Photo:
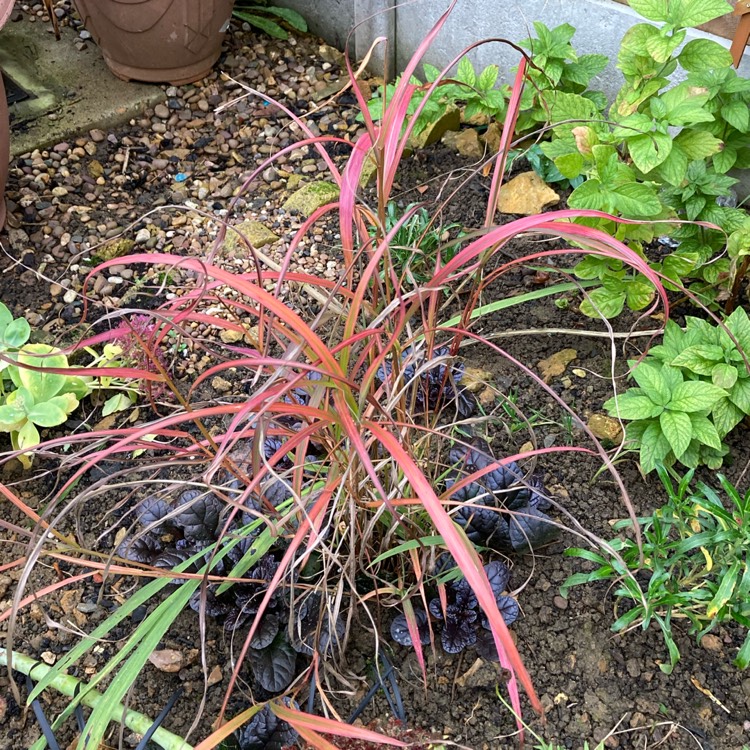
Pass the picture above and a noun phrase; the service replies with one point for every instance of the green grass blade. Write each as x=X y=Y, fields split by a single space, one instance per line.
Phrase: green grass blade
x=503 y=304
x=425 y=541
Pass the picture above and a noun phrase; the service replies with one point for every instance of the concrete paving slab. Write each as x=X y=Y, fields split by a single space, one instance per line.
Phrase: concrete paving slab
x=73 y=90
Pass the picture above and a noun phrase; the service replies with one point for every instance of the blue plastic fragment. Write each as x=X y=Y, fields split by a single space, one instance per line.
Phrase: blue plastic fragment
x=180 y=177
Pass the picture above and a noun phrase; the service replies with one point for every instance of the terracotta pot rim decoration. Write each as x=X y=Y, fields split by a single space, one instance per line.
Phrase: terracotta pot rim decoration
x=158 y=41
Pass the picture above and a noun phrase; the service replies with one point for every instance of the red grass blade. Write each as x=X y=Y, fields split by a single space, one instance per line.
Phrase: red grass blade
x=304 y=721
x=469 y=563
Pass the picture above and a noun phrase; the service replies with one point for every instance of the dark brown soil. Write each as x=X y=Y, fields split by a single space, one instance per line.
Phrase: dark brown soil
x=593 y=685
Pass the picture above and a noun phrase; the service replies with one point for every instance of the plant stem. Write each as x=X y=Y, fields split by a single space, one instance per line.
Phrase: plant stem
x=67 y=685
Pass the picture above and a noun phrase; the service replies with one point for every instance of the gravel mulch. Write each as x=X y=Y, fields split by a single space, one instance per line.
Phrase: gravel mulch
x=163 y=182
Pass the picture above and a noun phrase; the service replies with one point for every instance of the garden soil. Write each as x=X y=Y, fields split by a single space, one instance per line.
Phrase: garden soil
x=594 y=686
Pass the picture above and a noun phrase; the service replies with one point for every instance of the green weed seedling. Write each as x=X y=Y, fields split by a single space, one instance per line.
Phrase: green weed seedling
x=41 y=399
x=695 y=557
x=267 y=17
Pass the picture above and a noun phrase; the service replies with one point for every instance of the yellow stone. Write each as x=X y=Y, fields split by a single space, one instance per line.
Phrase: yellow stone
x=526 y=194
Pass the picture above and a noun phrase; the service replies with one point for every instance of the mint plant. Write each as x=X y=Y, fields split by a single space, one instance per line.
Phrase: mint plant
x=693 y=390
x=675 y=142
x=669 y=417
x=556 y=67
x=708 y=353
x=476 y=92
x=694 y=555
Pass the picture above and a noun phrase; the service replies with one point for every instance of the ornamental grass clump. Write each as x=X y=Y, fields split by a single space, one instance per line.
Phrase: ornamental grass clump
x=327 y=490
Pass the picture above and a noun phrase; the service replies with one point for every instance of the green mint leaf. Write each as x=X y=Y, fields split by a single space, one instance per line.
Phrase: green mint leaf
x=654 y=10
x=695 y=395
x=650 y=379
x=701 y=55
x=724 y=376
x=699 y=358
x=654 y=447
x=678 y=430
x=740 y=395
x=632 y=405
x=726 y=416
x=689 y=13
x=704 y=430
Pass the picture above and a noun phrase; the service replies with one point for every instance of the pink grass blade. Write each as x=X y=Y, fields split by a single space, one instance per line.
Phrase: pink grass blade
x=412 y=625
x=469 y=563
x=301 y=720
x=509 y=127
x=304 y=529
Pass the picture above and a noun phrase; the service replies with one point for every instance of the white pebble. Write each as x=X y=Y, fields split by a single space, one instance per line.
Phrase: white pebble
x=70 y=296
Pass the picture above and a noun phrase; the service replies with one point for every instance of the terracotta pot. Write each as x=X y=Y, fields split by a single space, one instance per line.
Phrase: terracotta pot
x=160 y=41
x=6 y=6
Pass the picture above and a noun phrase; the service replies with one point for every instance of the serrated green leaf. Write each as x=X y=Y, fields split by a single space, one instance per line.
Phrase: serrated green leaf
x=639 y=293
x=695 y=395
x=636 y=200
x=704 y=430
x=651 y=382
x=564 y=106
x=465 y=72
x=674 y=168
x=654 y=447
x=724 y=376
x=661 y=46
x=590 y=195
x=726 y=416
x=690 y=13
x=633 y=404
x=740 y=395
x=600 y=302
x=737 y=115
x=697 y=144
x=725 y=159
x=649 y=150
x=699 y=358
x=488 y=77
x=654 y=10
x=704 y=54
x=672 y=376
x=678 y=430
x=570 y=165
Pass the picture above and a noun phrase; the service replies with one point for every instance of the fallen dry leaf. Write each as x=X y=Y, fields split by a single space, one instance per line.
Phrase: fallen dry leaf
x=555 y=365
